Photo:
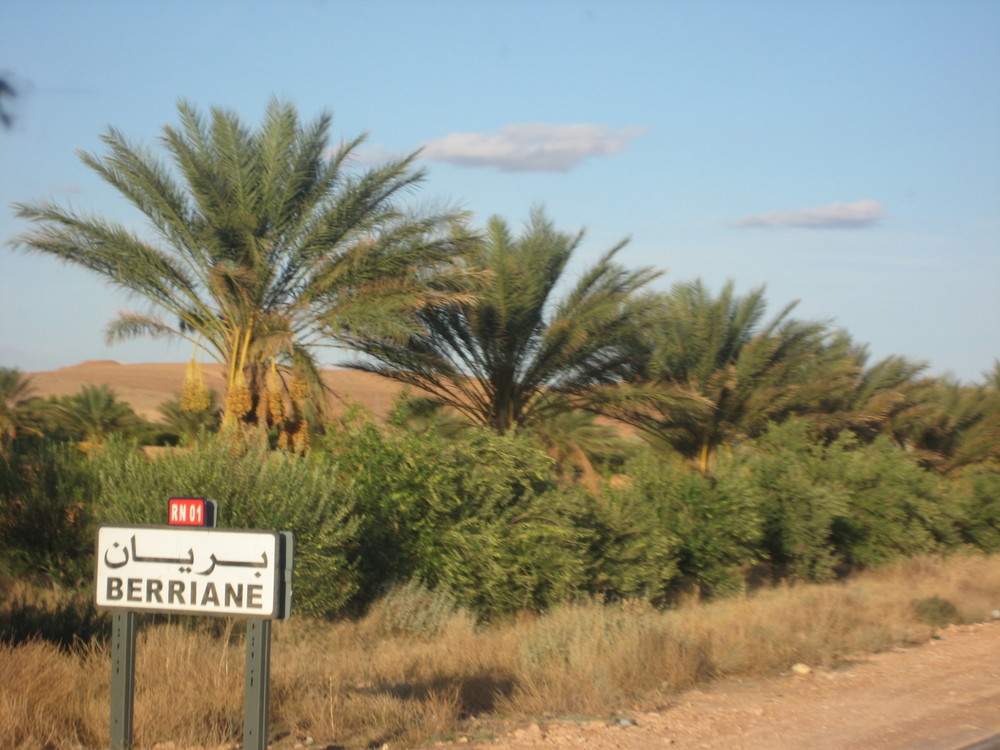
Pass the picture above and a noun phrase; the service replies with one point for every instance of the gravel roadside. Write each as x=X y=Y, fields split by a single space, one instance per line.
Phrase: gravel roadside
x=942 y=695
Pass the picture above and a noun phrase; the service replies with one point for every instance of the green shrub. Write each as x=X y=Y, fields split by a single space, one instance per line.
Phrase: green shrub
x=715 y=525
x=479 y=516
x=256 y=489
x=480 y=520
x=799 y=509
x=46 y=492
x=630 y=552
x=978 y=493
x=832 y=507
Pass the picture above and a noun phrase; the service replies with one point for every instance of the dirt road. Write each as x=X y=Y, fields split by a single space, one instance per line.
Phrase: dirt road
x=940 y=696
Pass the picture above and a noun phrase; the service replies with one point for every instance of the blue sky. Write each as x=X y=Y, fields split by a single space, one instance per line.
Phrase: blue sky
x=844 y=154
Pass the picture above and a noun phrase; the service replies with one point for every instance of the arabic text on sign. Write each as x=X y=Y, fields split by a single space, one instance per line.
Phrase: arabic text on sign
x=184 y=562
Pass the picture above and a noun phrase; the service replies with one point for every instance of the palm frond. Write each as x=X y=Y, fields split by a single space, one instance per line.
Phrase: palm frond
x=494 y=353
x=258 y=235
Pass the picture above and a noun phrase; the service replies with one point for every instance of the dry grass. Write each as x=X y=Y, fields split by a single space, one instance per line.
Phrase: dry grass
x=417 y=667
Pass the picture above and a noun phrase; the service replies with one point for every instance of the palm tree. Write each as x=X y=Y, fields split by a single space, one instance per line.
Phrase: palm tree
x=187 y=422
x=746 y=371
x=885 y=398
x=572 y=439
x=958 y=426
x=259 y=240
x=15 y=394
x=7 y=91
x=93 y=415
x=513 y=355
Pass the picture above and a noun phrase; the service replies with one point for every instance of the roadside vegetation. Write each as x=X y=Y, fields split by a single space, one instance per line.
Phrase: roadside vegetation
x=417 y=667
x=597 y=491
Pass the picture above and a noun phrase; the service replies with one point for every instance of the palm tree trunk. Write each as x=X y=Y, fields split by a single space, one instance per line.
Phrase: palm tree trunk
x=238 y=398
x=704 y=454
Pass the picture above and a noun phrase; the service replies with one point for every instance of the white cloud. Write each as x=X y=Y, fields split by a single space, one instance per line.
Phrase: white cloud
x=834 y=216
x=530 y=147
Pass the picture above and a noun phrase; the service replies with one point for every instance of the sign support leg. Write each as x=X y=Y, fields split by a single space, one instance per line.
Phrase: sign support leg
x=258 y=685
x=123 y=630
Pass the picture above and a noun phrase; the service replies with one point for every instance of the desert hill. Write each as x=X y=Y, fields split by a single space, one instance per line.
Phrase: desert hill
x=146 y=386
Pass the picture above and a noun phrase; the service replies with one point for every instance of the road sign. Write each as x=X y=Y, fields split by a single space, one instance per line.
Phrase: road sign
x=200 y=571
x=192 y=511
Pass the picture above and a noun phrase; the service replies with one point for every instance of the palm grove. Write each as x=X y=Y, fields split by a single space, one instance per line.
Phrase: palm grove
x=563 y=436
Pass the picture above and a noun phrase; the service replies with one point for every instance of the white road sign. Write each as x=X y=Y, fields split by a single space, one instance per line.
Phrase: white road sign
x=200 y=571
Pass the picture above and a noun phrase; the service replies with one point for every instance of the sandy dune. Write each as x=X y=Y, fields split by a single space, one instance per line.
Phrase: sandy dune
x=146 y=386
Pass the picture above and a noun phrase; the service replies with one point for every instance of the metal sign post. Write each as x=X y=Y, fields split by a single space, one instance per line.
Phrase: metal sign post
x=189 y=568
x=123 y=630
x=257 y=688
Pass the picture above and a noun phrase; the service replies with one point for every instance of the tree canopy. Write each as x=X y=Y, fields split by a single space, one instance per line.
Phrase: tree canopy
x=514 y=351
x=259 y=243
x=745 y=370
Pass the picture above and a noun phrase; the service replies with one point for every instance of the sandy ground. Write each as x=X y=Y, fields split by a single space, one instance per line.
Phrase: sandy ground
x=146 y=386
x=941 y=696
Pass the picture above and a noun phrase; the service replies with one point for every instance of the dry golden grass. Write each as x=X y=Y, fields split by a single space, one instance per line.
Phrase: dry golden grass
x=416 y=668
x=189 y=687
x=49 y=698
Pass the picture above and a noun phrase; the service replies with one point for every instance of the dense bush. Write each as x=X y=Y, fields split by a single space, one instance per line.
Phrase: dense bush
x=631 y=553
x=256 y=489
x=827 y=508
x=935 y=611
x=479 y=517
x=481 y=520
x=979 y=508
x=715 y=524
x=45 y=511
